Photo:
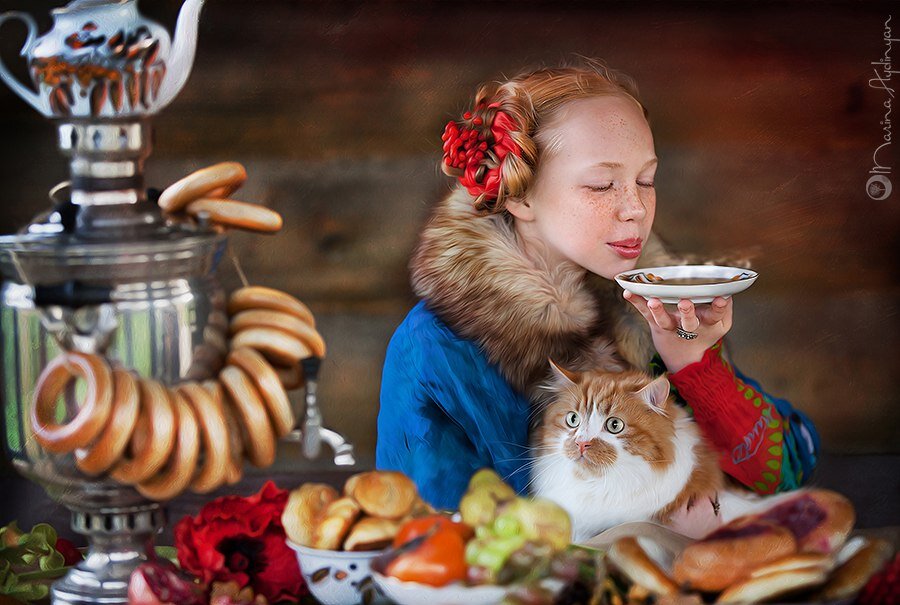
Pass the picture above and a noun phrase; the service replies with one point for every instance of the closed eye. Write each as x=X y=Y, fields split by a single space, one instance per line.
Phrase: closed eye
x=647 y=185
x=599 y=188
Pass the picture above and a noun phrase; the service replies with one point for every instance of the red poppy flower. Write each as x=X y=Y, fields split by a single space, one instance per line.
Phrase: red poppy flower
x=242 y=540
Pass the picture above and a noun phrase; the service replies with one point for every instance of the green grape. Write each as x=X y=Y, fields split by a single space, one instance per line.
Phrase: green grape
x=507 y=526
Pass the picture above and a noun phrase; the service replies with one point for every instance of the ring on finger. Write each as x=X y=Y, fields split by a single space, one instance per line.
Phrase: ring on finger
x=682 y=333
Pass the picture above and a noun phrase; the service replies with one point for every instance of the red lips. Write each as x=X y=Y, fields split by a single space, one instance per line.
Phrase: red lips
x=627 y=243
x=627 y=248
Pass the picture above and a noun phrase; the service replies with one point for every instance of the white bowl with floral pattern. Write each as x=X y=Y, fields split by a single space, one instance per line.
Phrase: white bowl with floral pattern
x=338 y=577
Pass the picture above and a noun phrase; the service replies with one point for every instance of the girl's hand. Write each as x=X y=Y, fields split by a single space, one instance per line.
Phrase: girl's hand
x=710 y=323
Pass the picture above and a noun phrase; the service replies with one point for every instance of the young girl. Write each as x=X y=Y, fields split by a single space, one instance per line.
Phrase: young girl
x=555 y=196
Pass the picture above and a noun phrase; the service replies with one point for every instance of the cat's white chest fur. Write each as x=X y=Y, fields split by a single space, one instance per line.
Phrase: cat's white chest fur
x=630 y=489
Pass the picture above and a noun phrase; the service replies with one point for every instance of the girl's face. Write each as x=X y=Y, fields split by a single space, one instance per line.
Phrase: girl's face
x=593 y=198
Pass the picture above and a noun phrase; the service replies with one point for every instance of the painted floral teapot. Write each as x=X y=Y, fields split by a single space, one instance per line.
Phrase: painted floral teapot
x=103 y=59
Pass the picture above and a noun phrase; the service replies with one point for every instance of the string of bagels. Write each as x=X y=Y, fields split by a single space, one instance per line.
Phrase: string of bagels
x=195 y=435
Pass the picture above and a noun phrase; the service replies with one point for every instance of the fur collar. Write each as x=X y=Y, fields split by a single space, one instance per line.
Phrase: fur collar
x=474 y=275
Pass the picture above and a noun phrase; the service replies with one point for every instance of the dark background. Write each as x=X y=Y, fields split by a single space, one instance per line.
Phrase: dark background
x=764 y=121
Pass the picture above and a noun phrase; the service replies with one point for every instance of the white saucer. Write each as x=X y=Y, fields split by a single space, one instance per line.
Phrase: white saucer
x=651 y=282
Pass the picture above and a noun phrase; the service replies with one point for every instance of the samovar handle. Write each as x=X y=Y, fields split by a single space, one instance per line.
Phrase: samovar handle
x=20 y=89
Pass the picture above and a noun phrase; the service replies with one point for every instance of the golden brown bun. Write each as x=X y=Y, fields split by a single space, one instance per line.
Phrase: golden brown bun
x=849 y=578
x=371 y=533
x=183 y=462
x=820 y=519
x=304 y=508
x=336 y=520
x=387 y=494
x=223 y=179
x=731 y=552
x=776 y=584
x=267 y=318
x=109 y=446
x=240 y=215
x=629 y=558
x=260 y=297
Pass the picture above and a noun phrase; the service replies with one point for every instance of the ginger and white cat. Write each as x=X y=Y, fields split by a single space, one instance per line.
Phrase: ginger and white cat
x=613 y=447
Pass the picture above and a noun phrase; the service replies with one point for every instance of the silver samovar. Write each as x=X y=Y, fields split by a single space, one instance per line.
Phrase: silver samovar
x=103 y=271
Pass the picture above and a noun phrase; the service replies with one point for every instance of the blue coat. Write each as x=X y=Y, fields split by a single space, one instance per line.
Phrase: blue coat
x=446 y=412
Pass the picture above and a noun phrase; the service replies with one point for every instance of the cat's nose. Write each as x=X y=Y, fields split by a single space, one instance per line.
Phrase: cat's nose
x=582 y=445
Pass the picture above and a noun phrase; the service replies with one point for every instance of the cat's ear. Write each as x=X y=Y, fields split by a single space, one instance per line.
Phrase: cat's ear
x=562 y=373
x=656 y=394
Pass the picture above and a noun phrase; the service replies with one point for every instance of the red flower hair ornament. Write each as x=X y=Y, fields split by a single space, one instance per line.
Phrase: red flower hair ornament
x=242 y=540
x=475 y=147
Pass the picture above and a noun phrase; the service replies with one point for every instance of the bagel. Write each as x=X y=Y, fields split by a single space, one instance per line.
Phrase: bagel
x=260 y=444
x=107 y=449
x=630 y=558
x=235 y=468
x=269 y=386
x=730 y=553
x=93 y=410
x=153 y=437
x=776 y=584
x=291 y=377
x=241 y=215
x=336 y=520
x=371 y=533
x=304 y=507
x=182 y=462
x=214 y=436
x=275 y=344
x=267 y=318
x=387 y=494
x=260 y=297
x=850 y=577
x=223 y=178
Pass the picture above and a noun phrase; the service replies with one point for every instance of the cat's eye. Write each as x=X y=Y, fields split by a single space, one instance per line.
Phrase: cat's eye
x=573 y=419
x=614 y=425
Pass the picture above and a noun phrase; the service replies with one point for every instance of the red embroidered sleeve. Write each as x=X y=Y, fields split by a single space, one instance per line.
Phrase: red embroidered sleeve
x=737 y=419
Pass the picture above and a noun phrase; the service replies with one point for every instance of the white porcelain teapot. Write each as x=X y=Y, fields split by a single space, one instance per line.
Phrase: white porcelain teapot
x=103 y=59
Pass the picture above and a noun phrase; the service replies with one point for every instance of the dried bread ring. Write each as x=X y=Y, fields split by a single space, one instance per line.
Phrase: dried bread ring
x=371 y=533
x=183 y=460
x=336 y=520
x=94 y=408
x=153 y=437
x=764 y=588
x=226 y=176
x=303 y=510
x=633 y=561
x=260 y=297
x=386 y=494
x=214 y=436
x=276 y=345
x=108 y=447
x=260 y=446
x=235 y=468
x=291 y=377
x=267 y=318
x=242 y=215
x=269 y=386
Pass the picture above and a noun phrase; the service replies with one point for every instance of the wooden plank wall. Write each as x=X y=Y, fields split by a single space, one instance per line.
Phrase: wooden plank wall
x=764 y=120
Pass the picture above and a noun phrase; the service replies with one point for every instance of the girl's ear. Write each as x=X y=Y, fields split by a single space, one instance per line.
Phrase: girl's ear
x=520 y=208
